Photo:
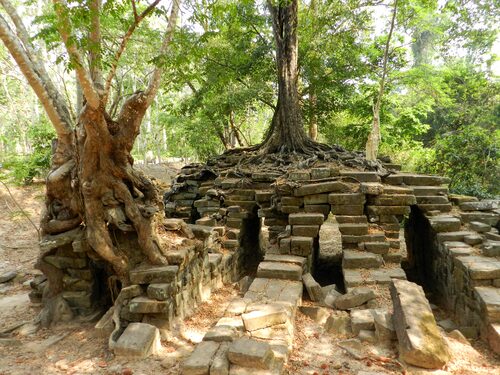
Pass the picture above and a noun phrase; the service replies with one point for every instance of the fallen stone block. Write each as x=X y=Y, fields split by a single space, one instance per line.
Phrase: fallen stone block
x=313 y=288
x=7 y=276
x=362 y=320
x=316 y=313
x=220 y=363
x=200 y=360
x=384 y=327
x=250 y=353
x=356 y=297
x=339 y=322
x=267 y=316
x=367 y=336
x=494 y=337
x=220 y=334
x=330 y=297
x=420 y=341
x=138 y=341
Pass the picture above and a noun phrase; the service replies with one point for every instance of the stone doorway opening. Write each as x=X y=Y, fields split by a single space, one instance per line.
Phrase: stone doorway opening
x=253 y=239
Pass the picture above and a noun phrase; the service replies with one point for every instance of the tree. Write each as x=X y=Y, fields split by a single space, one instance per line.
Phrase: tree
x=92 y=179
x=373 y=142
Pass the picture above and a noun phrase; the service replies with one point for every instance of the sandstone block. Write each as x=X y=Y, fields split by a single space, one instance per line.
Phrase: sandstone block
x=355 y=297
x=362 y=320
x=348 y=210
x=445 y=223
x=138 y=341
x=339 y=322
x=346 y=199
x=420 y=340
x=322 y=187
x=306 y=219
x=145 y=305
x=160 y=292
x=220 y=334
x=301 y=245
x=353 y=229
x=305 y=230
x=198 y=363
x=278 y=270
x=154 y=274
x=220 y=363
x=361 y=259
x=251 y=353
x=267 y=316
x=313 y=288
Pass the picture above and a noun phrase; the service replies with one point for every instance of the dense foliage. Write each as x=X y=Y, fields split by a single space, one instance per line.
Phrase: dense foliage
x=440 y=112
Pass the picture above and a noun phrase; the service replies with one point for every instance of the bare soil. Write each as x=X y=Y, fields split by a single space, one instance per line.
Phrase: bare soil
x=75 y=348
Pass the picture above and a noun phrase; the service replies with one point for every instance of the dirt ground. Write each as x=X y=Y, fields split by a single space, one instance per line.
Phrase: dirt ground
x=75 y=348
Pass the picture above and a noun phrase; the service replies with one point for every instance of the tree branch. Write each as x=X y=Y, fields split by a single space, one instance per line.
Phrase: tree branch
x=154 y=82
x=95 y=41
x=64 y=27
x=55 y=107
x=123 y=44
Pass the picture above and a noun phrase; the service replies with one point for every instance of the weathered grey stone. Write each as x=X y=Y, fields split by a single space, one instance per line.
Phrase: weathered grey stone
x=394 y=199
x=220 y=363
x=419 y=338
x=339 y=322
x=353 y=229
x=313 y=288
x=316 y=313
x=330 y=297
x=250 y=353
x=316 y=199
x=278 y=270
x=445 y=223
x=81 y=299
x=362 y=320
x=267 y=316
x=489 y=218
x=489 y=298
x=351 y=219
x=473 y=239
x=138 y=341
x=348 y=210
x=305 y=230
x=384 y=327
x=319 y=173
x=346 y=199
x=145 y=305
x=361 y=176
x=300 y=261
x=491 y=248
x=420 y=191
x=299 y=176
x=480 y=267
x=306 y=219
x=199 y=362
x=371 y=188
x=7 y=276
x=356 y=297
x=494 y=337
x=479 y=227
x=361 y=259
x=375 y=247
x=322 y=187
x=160 y=292
x=485 y=205
x=301 y=245
x=367 y=336
x=221 y=333
x=388 y=210
x=154 y=274
x=233 y=321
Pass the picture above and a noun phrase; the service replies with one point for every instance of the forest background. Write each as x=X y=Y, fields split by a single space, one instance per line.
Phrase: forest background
x=440 y=112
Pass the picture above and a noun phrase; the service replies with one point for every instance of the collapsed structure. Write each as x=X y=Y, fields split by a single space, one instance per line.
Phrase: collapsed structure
x=265 y=227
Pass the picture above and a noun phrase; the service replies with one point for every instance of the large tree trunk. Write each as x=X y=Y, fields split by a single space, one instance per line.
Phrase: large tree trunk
x=286 y=133
x=374 y=138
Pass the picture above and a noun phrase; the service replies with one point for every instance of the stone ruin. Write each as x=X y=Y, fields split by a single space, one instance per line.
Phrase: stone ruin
x=269 y=230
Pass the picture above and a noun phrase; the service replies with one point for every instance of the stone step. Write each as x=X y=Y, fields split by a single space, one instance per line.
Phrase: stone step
x=353 y=229
x=425 y=191
x=361 y=176
x=415 y=180
x=435 y=207
x=453 y=236
x=486 y=205
x=139 y=340
x=445 y=223
x=341 y=219
x=375 y=247
x=489 y=300
x=306 y=219
x=300 y=261
x=432 y=199
x=360 y=259
x=279 y=270
x=393 y=200
x=380 y=276
x=479 y=267
x=489 y=218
